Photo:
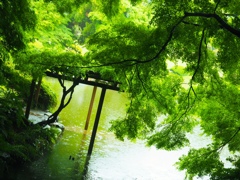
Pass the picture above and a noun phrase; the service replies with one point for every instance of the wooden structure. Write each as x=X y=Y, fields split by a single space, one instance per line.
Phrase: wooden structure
x=95 y=80
x=91 y=78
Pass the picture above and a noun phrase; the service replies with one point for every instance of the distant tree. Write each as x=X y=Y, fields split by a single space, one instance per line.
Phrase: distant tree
x=50 y=39
x=16 y=17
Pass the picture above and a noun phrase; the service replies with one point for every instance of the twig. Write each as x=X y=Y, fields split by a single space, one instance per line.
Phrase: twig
x=216 y=6
x=230 y=139
x=140 y=79
x=199 y=56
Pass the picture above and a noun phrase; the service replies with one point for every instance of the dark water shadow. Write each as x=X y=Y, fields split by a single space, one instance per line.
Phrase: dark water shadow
x=82 y=161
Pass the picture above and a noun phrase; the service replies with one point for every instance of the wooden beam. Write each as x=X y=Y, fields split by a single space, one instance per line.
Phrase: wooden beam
x=95 y=82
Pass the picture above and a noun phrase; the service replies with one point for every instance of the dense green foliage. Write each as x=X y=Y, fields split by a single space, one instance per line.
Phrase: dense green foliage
x=133 y=42
x=17 y=17
x=20 y=142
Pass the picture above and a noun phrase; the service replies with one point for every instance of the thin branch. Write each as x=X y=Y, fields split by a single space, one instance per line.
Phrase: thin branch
x=218 y=19
x=140 y=79
x=216 y=6
x=127 y=80
x=71 y=90
x=132 y=62
x=230 y=139
x=221 y=147
x=61 y=83
x=233 y=15
x=194 y=74
x=199 y=56
x=193 y=91
x=191 y=86
x=69 y=99
x=193 y=24
x=166 y=42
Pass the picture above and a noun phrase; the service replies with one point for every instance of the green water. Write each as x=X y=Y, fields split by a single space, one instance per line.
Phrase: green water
x=75 y=140
x=111 y=159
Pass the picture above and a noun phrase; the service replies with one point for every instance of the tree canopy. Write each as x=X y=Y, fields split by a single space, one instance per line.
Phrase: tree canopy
x=133 y=42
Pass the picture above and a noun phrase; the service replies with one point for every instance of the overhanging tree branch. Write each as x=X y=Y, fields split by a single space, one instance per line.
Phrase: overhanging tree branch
x=135 y=61
x=195 y=72
x=222 y=145
x=63 y=104
x=186 y=14
x=230 y=139
x=189 y=107
x=132 y=62
x=217 y=18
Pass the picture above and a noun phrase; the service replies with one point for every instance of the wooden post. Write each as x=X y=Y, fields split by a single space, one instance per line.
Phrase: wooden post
x=29 y=102
x=85 y=168
x=100 y=104
x=90 y=107
x=38 y=92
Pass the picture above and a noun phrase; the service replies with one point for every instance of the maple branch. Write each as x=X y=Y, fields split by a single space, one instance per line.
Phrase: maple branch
x=217 y=18
x=140 y=79
x=191 y=86
x=231 y=138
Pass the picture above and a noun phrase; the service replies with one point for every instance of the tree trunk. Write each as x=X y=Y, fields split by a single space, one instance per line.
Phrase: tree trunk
x=54 y=116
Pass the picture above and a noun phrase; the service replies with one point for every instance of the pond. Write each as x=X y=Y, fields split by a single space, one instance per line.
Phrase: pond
x=111 y=159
